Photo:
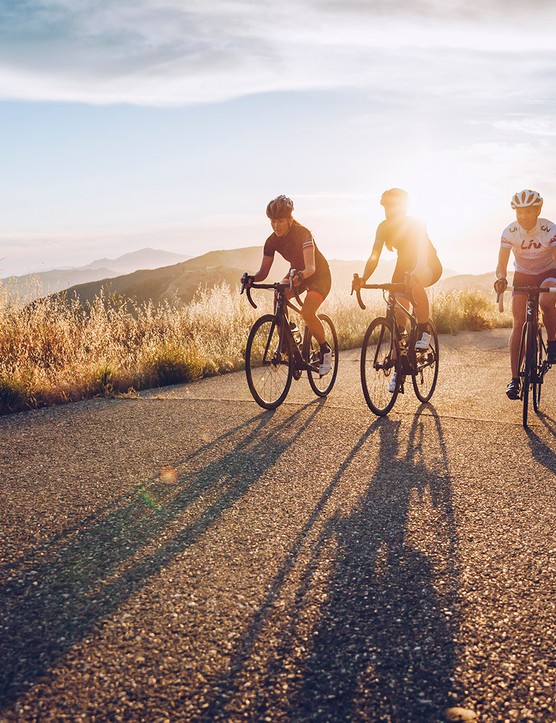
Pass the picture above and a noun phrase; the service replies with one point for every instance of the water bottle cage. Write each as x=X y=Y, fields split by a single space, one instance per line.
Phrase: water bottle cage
x=296 y=333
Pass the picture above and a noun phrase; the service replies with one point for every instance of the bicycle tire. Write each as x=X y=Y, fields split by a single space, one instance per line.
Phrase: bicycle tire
x=311 y=352
x=524 y=366
x=269 y=373
x=539 y=371
x=426 y=367
x=380 y=356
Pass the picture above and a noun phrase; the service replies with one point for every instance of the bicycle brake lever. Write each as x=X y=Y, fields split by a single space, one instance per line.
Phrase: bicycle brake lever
x=357 y=292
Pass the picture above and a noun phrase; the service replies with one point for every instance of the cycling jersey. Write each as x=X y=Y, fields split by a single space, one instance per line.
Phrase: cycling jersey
x=532 y=249
x=410 y=239
x=291 y=247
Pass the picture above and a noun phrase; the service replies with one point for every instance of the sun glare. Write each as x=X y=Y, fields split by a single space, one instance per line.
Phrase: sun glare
x=457 y=203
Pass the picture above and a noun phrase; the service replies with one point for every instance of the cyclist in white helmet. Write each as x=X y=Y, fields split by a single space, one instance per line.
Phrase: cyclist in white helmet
x=533 y=242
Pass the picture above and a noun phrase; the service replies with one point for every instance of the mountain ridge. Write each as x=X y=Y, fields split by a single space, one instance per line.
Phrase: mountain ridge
x=180 y=282
x=27 y=287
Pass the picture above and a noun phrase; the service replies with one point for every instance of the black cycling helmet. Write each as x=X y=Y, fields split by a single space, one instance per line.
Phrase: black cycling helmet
x=279 y=207
x=394 y=195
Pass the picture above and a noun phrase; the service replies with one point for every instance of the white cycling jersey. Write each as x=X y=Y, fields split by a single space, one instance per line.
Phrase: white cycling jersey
x=533 y=250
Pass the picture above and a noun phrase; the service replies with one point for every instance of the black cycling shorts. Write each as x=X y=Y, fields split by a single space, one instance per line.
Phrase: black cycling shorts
x=521 y=279
x=321 y=284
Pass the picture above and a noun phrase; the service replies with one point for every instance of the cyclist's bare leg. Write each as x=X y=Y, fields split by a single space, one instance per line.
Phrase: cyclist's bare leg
x=519 y=307
x=401 y=318
x=547 y=302
x=309 y=313
x=420 y=299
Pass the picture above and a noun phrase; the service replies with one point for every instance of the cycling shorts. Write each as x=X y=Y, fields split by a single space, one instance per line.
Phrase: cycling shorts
x=434 y=268
x=320 y=284
x=521 y=279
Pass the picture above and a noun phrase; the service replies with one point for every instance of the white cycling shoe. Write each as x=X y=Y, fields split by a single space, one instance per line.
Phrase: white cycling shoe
x=392 y=385
x=424 y=342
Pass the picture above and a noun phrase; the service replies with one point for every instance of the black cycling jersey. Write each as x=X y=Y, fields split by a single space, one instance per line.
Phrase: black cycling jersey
x=408 y=236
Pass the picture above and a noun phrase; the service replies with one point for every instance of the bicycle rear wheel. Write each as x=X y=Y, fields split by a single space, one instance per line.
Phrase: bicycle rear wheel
x=379 y=360
x=426 y=367
x=269 y=371
x=321 y=385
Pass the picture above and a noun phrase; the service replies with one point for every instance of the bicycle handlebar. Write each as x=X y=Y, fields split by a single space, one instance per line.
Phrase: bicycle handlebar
x=390 y=287
x=276 y=286
x=531 y=290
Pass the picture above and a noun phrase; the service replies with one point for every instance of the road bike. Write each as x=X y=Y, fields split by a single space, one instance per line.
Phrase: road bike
x=389 y=349
x=533 y=350
x=279 y=349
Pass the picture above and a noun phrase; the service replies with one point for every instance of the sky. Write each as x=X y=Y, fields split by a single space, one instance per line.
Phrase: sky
x=171 y=124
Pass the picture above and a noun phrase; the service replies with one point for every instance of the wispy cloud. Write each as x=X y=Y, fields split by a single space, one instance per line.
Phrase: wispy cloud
x=164 y=52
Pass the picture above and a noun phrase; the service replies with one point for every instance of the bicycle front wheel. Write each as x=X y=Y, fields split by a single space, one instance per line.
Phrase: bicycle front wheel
x=269 y=370
x=426 y=367
x=540 y=356
x=379 y=362
x=525 y=367
x=321 y=385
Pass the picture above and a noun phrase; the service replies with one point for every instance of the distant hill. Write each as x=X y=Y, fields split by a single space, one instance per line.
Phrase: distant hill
x=179 y=282
x=32 y=286
x=143 y=259
x=469 y=282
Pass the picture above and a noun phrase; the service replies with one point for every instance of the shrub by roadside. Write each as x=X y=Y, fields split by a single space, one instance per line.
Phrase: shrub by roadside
x=54 y=351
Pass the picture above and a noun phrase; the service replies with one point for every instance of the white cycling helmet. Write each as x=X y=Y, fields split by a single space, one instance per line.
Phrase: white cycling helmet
x=526 y=198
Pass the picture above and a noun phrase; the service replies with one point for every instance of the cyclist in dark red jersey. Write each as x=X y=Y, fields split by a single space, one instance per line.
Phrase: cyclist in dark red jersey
x=296 y=244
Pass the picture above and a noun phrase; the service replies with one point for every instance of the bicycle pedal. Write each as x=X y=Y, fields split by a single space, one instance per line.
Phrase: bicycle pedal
x=297 y=374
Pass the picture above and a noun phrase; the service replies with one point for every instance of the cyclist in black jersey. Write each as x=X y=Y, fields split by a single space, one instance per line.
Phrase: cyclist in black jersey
x=416 y=257
x=296 y=244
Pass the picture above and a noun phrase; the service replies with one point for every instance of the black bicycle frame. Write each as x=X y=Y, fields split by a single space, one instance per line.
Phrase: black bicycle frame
x=530 y=338
x=285 y=333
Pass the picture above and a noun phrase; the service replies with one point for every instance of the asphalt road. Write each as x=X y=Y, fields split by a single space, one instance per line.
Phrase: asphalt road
x=310 y=564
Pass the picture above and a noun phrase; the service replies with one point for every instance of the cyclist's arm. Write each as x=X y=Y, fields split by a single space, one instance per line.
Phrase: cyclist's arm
x=263 y=272
x=372 y=261
x=309 y=261
x=503 y=258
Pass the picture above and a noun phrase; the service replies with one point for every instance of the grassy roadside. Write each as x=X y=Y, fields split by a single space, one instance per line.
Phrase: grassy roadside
x=54 y=351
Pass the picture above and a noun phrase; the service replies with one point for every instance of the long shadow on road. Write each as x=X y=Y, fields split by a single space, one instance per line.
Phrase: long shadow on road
x=540 y=450
x=383 y=646
x=51 y=599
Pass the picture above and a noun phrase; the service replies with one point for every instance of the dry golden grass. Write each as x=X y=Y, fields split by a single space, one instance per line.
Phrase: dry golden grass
x=53 y=350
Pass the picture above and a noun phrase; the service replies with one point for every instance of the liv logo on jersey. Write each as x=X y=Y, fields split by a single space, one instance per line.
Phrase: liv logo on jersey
x=531 y=245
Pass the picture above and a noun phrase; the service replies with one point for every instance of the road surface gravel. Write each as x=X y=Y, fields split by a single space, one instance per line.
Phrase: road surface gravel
x=310 y=564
